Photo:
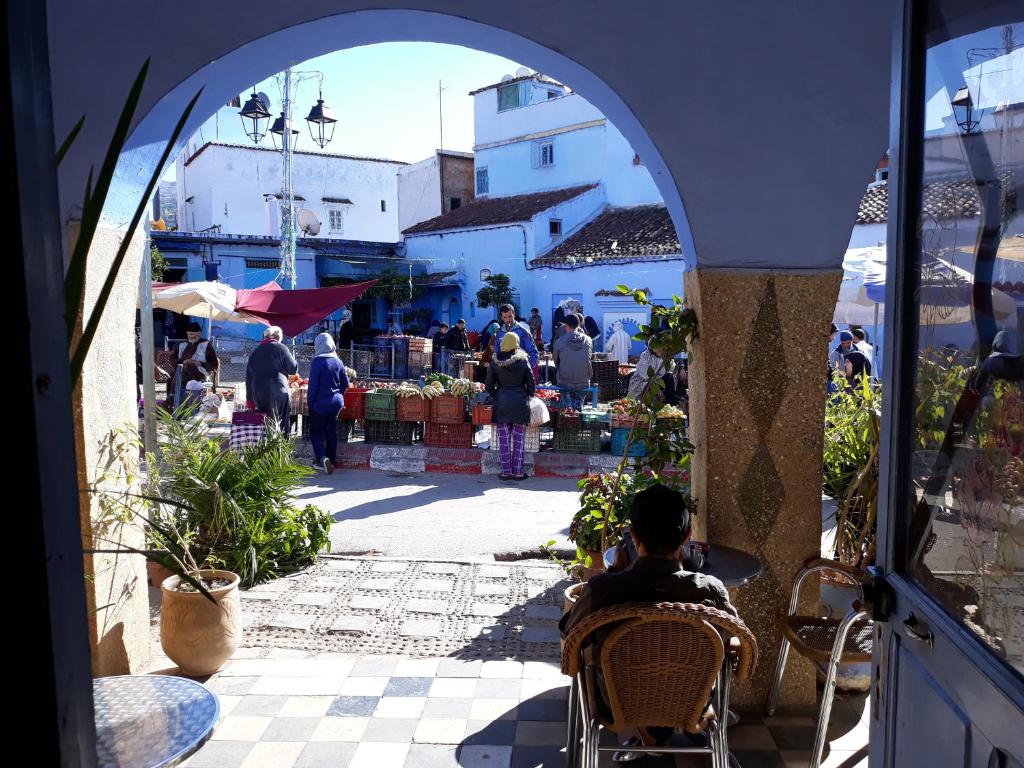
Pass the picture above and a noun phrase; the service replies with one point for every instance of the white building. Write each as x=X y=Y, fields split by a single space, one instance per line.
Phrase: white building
x=235 y=189
x=435 y=186
x=564 y=207
x=533 y=134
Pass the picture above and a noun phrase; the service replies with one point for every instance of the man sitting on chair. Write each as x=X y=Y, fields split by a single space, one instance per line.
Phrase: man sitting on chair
x=660 y=526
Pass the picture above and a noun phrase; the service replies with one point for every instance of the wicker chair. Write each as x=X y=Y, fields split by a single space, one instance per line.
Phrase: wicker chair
x=663 y=664
x=827 y=641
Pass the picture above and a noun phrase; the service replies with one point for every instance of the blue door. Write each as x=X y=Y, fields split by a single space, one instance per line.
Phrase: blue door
x=454 y=311
x=949 y=643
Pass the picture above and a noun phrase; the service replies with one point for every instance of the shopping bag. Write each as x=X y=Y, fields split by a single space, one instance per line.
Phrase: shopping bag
x=538 y=412
x=247 y=429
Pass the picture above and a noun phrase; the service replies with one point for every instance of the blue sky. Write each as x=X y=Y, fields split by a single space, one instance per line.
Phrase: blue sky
x=385 y=99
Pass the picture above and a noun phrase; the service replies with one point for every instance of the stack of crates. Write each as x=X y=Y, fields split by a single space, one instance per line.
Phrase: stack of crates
x=420 y=353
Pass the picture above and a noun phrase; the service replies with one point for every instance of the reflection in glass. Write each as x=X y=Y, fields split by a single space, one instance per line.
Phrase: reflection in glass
x=965 y=540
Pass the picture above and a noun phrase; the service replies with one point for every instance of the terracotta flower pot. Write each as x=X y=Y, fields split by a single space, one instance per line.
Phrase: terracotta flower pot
x=156 y=573
x=197 y=635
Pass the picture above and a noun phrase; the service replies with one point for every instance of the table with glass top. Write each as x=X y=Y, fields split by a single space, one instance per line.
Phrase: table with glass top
x=155 y=721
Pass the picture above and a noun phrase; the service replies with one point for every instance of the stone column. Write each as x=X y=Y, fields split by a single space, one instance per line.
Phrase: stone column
x=757 y=403
x=105 y=403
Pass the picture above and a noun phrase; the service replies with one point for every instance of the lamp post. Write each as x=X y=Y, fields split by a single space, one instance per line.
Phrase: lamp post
x=255 y=114
x=963 y=110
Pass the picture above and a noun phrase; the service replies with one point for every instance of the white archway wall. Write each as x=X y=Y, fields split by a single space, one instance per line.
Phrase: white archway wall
x=752 y=114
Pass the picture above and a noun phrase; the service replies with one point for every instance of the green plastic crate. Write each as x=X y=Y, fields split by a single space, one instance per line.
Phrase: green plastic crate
x=577 y=440
x=380 y=405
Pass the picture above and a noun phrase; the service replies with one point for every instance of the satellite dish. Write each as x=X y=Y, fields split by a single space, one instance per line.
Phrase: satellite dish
x=523 y=72
x=264 y=99
x=309 y=223
x=506 y=78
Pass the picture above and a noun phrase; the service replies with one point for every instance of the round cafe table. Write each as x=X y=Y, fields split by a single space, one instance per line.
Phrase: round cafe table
x=733 y=567
x=151 y=720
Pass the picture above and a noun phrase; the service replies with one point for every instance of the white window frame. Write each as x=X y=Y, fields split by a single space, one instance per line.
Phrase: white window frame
x=485 y=188
x=544 y=150
x=332 y=211
x=521 y=98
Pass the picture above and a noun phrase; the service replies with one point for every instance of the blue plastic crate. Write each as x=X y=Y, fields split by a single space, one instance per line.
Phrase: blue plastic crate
x=619 y=438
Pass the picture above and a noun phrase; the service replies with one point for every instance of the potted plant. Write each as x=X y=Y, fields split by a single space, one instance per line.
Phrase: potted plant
x=605 y=499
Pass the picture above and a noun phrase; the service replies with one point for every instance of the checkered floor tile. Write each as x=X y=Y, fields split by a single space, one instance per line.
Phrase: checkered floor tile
x=398 y=712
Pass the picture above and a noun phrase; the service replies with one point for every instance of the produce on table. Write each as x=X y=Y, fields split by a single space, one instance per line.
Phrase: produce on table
x=462 y=387
x=671 y=412
x=440 y=378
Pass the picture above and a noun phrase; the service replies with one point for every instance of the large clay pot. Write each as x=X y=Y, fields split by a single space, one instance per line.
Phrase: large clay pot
x=196 y=634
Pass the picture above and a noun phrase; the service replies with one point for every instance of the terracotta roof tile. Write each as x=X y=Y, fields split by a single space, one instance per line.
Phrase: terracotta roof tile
x=641 y=232
x=486 y=211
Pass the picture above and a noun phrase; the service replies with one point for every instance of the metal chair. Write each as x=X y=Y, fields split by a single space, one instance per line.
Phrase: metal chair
x=662 y=664
x=827 y=641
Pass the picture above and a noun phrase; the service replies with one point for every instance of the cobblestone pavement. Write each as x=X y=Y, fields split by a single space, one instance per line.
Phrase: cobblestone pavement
x=412 y=608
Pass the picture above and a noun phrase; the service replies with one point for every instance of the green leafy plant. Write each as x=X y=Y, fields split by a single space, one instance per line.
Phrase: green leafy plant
x=394 y=287
x=850 y=465
x=158 y=264
x=605 y=499
x=498 y=291
x=236 y=509
x=92 y=211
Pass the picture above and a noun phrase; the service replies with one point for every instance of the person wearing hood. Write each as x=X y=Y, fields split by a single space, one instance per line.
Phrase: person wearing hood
x=510 y=382
x=837 y=357
x=572 y=361
x=651 y=364
x=266 y=377
x=326 y=397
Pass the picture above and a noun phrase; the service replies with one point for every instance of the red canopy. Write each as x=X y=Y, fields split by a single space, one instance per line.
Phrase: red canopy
x=295 y=311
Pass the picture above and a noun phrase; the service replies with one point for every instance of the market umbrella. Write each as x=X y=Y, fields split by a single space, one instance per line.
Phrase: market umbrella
x=295 y=311
x=206 y=299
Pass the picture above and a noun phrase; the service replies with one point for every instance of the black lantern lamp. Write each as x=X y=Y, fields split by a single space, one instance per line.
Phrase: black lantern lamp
x=963 y=110
x=277 y=129
x=255 y=116
x=321 y=123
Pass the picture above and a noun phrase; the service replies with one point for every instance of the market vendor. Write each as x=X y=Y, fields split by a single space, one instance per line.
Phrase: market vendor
x=651 y=361
x=198 y=360
x=521 y=330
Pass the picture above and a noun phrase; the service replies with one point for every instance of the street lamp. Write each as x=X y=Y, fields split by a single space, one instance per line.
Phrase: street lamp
x=277 y=133
x=963 y=110
x=321 y=123
x=255 y=116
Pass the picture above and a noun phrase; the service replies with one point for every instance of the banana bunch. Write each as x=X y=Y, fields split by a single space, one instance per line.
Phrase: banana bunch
x=463 y=387
x=432 y=390
x=408 y=390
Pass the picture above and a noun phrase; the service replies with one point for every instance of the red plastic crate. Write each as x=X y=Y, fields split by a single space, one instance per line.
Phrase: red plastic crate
x=412 y=408
x=355 y=404
x=448 y=409
x=483 y=414
x=438 y=435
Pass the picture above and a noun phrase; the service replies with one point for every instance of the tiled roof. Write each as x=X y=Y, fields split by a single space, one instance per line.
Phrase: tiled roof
x=943 y=200
x=435 y=278
x=537 y=76
x=489 y=211
x=617 y=235
x=1014 y=289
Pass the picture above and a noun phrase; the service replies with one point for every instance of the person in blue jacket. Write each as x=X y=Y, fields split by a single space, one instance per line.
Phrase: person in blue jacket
x=325 y=396
x=522 y=330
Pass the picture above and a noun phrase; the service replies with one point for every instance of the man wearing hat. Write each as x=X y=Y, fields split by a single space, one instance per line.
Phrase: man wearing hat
x=198 y=360
x=837 y=358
